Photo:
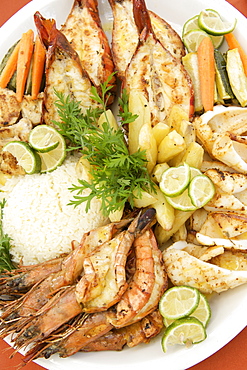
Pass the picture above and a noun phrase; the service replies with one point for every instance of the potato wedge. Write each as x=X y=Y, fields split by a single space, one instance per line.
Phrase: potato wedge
x=137 y=105
x=164 y=211
x=193 y=155
x=176 y=116
x=116 y=215
x=158 y=171
x=147 y=142
x=170 y=146
x=145 y=200
x=108 y=117
x=163 y=235
x=160 y=131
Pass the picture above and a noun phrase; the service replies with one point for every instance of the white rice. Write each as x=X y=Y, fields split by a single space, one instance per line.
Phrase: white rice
x=37 y=216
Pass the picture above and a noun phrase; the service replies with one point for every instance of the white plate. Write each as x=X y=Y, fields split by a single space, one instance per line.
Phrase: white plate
x=229 y=308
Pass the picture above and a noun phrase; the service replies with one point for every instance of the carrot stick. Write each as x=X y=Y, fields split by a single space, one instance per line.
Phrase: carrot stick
x=10 y=67
x=234 y=44
x=23 y=63
x=38 y=67
x=206 y=66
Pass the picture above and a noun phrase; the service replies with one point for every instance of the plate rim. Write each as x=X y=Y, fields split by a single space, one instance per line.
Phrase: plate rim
x=32 y=6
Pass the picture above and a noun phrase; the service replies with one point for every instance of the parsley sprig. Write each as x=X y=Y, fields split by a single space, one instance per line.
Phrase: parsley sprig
x=115 y=173
x=5 y=256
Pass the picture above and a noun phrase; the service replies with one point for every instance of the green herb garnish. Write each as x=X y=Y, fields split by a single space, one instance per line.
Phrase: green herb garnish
x=115 y=172
x=5 y=257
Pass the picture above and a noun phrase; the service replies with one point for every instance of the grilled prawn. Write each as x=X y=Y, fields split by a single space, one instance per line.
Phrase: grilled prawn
x=142 y=295
x=71 y=301
x=44 y=282
x=131 y=335
x=94 y=334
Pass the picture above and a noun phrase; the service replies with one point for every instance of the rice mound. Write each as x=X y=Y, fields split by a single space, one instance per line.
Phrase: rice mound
x=37 y=216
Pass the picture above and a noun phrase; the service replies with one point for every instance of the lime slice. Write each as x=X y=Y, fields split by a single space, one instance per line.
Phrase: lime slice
x=203 y=310
x=194 y=172
x=186 y=331
x=44 y=138
x=175 y=180
x=182 y=202
x=192 y=24
x=178 y=302
x=54 y=158
x=210 y=21
x=167 y=322
x=201 y=190
x=193 y=38
x=25 y=156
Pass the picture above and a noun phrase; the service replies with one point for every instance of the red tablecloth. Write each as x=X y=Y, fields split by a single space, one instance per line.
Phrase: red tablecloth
x=232 y=356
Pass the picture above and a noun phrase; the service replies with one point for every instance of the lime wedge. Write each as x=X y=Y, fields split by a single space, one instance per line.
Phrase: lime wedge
x=28 y=159
x=175 y=180
x=54 y=158
x=186 y=331
x=44 y=138
x=178 y=302
x=182 y=202
x=201 y=190
x=210 y=21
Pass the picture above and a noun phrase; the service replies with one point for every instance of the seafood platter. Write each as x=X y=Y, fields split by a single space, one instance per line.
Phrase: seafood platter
x=98 y=101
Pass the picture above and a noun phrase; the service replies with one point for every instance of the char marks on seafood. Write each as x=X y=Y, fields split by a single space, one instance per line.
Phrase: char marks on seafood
x=63 y=70
x=125 y=36
x=83 y=29
x=152 y=70
x=93 y=292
